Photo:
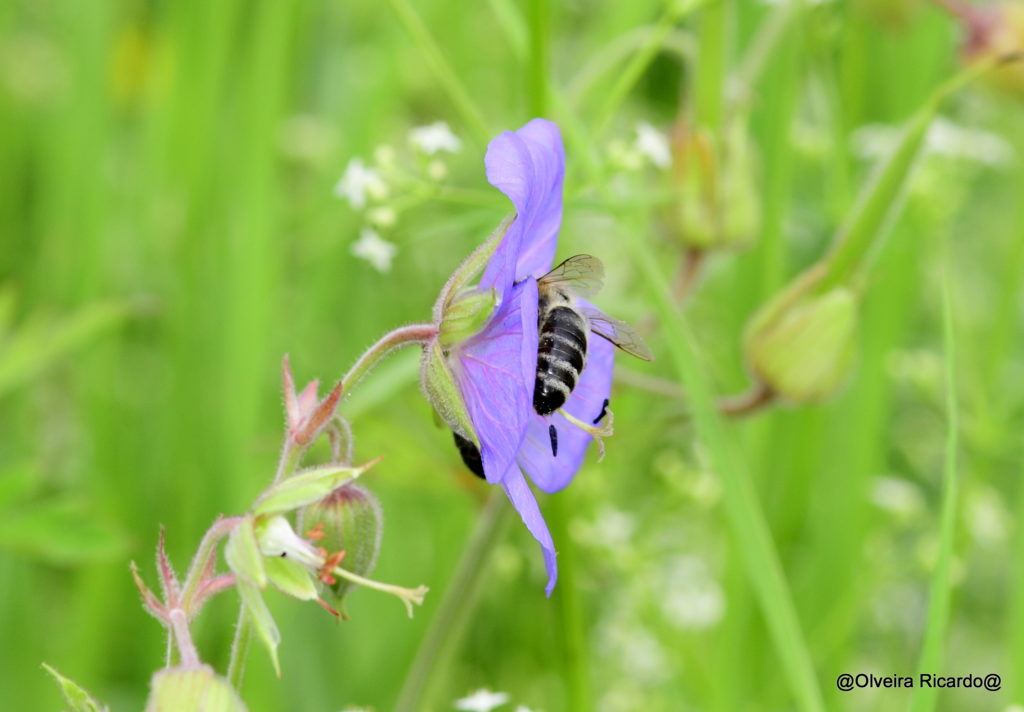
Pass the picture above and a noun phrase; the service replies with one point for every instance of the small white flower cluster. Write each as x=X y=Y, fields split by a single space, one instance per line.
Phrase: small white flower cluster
x=945 y=138
x=367 y=188
x=484 y=701
x=650 y=146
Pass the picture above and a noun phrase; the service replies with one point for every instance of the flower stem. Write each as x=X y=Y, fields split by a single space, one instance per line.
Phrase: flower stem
x=571 y=633
x=201 y=561
x=457 y=606
x=183 y=638
x=402 y=336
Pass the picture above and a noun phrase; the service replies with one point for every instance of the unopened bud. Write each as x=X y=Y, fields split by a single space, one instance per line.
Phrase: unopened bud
x=466 y=314
x=803 y=350
x=192 y=688
x=996 y=32
x=347 y=524
x=716 y=205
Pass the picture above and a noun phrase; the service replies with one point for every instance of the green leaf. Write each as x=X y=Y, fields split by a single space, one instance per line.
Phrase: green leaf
x=745 y=516
x=74 y=695
x=40 y=341
x=304 y=488
x=291 y=577
x=61 y=531
x=263 y=622
x=937 y=625
x=242 y=553
x=178 y=689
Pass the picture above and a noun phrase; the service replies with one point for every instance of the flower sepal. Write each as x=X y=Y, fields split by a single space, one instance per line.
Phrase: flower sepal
x=441 y=390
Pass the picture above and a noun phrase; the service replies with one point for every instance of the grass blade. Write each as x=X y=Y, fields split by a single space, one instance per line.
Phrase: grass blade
x=923 y=699
x=743 y=510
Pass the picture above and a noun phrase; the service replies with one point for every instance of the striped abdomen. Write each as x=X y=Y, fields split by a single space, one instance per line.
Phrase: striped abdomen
x=561 y=355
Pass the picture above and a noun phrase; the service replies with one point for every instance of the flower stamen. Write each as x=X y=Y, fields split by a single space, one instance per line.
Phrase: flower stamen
x=598 y=432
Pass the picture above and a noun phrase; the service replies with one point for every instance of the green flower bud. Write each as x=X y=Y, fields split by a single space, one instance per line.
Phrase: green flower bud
x=191 y=688
x=466 y=314
x=348 y=520
x=717 y=203
x=803 y=348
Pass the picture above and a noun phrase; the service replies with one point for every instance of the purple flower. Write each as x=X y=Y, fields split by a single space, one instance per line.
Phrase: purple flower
x=495 y=369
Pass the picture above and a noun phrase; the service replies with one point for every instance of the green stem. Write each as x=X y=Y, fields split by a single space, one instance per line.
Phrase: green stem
x=629 y=76
x=881 y=199
x=449 y=623
x=571 y=629
x=939 y=597
x=745 y=516
x=712 y=55
x=539 y=58
x=447 y=76
x=402 y=336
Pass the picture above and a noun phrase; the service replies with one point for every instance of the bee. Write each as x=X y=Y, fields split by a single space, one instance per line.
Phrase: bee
x=564 y=325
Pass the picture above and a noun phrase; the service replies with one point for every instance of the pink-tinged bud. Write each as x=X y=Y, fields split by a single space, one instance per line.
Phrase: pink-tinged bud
x=347 y=525
x=717 y=204
x=306 y=416
x=995 y=32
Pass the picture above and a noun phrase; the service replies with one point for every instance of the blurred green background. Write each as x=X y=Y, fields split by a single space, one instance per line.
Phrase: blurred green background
x=168 y=230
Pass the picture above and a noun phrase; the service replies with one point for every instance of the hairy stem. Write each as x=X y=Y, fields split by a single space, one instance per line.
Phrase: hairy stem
x=402 y=336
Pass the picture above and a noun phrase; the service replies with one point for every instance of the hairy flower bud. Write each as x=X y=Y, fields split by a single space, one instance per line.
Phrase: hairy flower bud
x=192 y=688
x=717 y=204
x=347 y=524
x=467 y=313
x=803 y=349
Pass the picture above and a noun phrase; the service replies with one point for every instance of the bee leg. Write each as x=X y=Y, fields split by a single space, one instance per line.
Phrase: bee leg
x=553 y=434
x=597 y=432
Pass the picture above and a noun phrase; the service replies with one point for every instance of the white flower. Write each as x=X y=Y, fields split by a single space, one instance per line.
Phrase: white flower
x=653 y=144
x=434 y=138
x=945 y=138
x=358 y=182
x=375 y=250
x=692 y=599
x=898 y=497
x=481 y=701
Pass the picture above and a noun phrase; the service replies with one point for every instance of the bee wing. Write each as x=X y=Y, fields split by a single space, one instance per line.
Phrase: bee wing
x=619 y=333
x=583 y=275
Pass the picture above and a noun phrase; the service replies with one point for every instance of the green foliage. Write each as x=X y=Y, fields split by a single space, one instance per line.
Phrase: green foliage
x=182 y=155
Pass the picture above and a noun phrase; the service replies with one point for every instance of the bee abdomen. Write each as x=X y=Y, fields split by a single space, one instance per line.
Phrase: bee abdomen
x=561 y=355
x=470 y=455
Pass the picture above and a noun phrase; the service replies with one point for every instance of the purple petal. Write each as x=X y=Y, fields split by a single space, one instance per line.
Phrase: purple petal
x=526 y=504
x=527 y=166
x=495 y=372
x=552 y=473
